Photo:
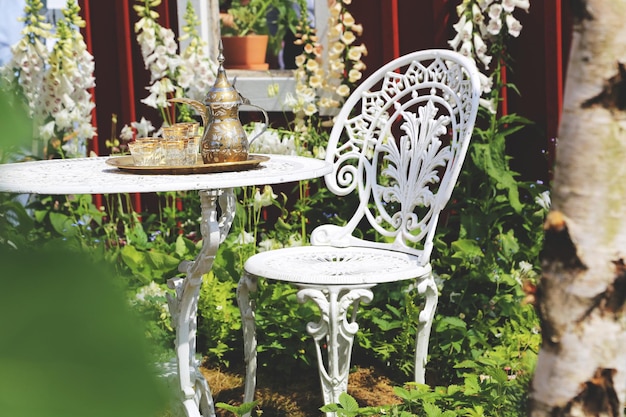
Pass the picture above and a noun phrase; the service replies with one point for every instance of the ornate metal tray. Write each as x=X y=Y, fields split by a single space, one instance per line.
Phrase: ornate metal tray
x=125 y=163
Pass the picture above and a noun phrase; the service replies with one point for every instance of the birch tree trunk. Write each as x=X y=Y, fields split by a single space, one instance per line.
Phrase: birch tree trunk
x=581 y=369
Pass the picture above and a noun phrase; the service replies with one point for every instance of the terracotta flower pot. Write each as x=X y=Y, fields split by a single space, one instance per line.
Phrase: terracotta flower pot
x=245 y=52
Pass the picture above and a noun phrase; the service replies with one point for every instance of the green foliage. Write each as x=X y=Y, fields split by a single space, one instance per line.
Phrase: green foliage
x=71 y=346
x=239 y=410
x=488 y=390
x=263 y=17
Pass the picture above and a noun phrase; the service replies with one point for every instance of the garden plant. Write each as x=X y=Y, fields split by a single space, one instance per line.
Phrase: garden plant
x=485 y=336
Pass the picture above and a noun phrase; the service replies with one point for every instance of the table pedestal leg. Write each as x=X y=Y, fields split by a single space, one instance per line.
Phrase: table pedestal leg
x=196 y=395
x=334 y=333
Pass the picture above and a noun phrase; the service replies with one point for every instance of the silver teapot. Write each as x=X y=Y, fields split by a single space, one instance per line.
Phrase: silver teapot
x=224 y=139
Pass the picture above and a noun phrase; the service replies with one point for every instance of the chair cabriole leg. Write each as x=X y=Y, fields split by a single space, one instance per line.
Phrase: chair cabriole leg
x=336 y=332
x=427 y=288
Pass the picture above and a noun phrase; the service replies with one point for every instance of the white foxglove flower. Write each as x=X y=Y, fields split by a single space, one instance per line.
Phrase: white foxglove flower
x=477 y=14
x=343 y=90
x=485 y=83
x=348 y=20
x=348 y=37
x=483 y=4
x=458 y=26
x=466 y=49
x=514 y=26
x=489 y=105
x=480 y=49
x=354 y=76
x=47 y=131
x=510 y=5
x=494 y=27
x=495 y=11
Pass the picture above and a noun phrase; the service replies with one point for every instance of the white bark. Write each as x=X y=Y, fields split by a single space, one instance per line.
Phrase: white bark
x=581 y=369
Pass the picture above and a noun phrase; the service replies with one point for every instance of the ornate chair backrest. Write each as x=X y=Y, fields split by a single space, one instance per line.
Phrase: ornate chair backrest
x=399 y=142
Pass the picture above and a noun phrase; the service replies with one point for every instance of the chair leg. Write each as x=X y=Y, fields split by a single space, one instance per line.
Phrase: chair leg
x=248 y=284
x=335 y=331
x=427 y=288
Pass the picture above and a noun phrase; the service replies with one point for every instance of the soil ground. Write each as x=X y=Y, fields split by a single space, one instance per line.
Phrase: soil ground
x=297 y=395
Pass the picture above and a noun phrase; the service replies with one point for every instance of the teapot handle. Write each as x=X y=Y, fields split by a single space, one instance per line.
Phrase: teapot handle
x=267 y=119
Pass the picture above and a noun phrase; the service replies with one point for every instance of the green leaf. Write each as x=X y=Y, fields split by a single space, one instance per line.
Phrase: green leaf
x=184 y=246
x=491 y=158
x=451 y=322
x=62 y=224
x=239 y=410
x=472 y=386
x=16 y=126
x=348 y=402
x=330 y=408
x=466 y=249
x=509 y=245
x=138 y=236
x=162 y=261
x=431 y=409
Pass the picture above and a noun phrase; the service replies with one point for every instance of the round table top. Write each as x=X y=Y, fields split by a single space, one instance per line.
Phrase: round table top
x=95 y=176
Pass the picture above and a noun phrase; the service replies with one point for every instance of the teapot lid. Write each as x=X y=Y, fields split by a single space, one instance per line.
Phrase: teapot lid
x=222 y=91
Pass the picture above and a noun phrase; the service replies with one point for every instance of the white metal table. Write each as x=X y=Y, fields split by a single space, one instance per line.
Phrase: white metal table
x=95 y=176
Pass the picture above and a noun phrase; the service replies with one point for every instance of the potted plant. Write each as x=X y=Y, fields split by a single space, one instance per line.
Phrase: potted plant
x=250 y=26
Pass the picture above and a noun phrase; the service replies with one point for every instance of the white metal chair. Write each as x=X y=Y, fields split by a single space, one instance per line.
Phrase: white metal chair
x=399 y=142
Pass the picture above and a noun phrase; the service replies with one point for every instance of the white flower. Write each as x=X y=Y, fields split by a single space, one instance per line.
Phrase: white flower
x=348 y=37
x=290 y=100
x=310 y=109
x=494 y=27
x=477 y=14
x=480 y=48
x=312 y=65
x=86 y=130
x=320 y=152
x=514 y=26
x=47 y=131
x=348 y=19
x=466 y=49
x=485 y=83
x=127 y=133
x=244 y=238
x=337 y=48
x=483 y=4
x=264 y=200
x=510 y=5
x=144 y=127
x=354 y=76
x=495 y=10
x=150 y=290
x=544 y=200
x=525 y=267
x=268 y=244
x=458 y=26
x=489 y=105
x=294 y=240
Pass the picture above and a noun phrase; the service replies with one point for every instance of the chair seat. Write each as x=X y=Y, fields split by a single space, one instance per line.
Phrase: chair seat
x=329 y=265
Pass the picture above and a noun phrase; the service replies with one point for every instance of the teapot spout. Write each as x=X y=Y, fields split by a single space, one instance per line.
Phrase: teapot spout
x=199 y=107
